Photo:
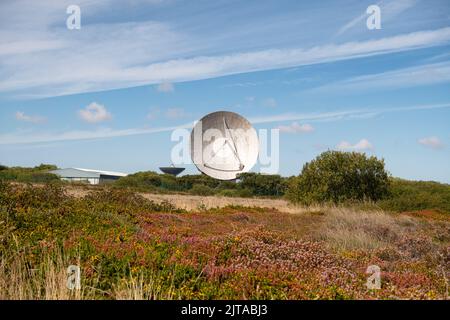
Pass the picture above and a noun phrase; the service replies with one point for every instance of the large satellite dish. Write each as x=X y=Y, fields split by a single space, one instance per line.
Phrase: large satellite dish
x=224 y=144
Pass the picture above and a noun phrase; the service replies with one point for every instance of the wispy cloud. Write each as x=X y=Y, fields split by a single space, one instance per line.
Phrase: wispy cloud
x=361 y=145
x=31 y=138
x=21 y=116
x=94 y=113
x=431 y=142
x=120 y=69
x=344 y=114
x=427 y=74
x=295 y=127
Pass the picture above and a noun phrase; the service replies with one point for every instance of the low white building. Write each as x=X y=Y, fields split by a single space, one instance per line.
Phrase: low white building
x=87 y=175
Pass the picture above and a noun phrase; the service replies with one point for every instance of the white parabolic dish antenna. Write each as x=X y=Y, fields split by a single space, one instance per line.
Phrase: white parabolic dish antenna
x=224 y=144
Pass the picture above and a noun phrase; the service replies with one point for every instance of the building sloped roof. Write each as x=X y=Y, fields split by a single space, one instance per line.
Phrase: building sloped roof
x=75 y=173
x=85 y=173
x=108 y=173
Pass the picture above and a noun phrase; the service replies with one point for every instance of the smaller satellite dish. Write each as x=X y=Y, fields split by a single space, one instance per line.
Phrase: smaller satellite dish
x=172 y=170
x=224 y=144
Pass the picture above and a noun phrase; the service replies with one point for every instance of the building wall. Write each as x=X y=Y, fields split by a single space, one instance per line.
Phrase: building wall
x=88 y=180
x=108 y=178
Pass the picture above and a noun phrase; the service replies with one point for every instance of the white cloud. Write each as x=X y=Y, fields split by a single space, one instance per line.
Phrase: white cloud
x=362 y=145
x=24 y=138
x=21 y=116
x=295 y=127
x=165 y=87
x=94 y=113
x=431 y=142
x=175 y=113
x=269 y=102
x=128 y=59
x=344 y=114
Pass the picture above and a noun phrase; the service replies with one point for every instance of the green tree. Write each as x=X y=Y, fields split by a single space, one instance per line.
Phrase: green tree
x=188 y=181
x=143 y=180
x=263 y=184
x=45 y=167
x=201 y=190
x=336 y=176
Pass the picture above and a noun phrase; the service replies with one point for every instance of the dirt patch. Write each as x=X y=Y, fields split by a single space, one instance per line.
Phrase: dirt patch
x=428 y=214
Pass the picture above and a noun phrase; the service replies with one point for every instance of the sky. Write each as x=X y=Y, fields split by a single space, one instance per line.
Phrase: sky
x=110 y=94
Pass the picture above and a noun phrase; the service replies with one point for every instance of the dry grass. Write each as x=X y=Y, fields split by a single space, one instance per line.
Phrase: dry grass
x=144 y=288
x=196 y=203
x=193 y=202
x=352 y=229
x=19 y=282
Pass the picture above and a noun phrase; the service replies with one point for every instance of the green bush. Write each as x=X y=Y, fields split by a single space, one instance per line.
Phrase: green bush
x=38 y=174
x=202 y=190
x=143 y=180
x=170 y=183
x=188 y=181
x=117 y=200
x=263 y=184
x=417 y=195
x=241 y=193
x=336 y=177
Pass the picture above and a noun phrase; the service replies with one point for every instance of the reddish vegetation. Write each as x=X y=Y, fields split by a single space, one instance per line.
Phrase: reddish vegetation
x=223 y=253
x=428 y=214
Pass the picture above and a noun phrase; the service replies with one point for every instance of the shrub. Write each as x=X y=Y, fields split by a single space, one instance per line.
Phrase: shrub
x=121 y=201
x=241 y=193
x=336 y=177
x=143 y=180
x=51 y=195
x=417 y=195
x=38 y=177
x=201 y=190
x=38 y=174
x=169 y=182
x=263 y=184
x=188 y=181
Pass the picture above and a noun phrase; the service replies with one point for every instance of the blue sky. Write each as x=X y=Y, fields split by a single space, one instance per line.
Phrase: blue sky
x=108 y=96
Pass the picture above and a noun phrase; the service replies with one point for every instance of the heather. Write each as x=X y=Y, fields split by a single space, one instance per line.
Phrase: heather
x=130 y=247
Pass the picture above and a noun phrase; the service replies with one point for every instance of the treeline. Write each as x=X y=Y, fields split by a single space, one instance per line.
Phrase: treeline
x=248 y=185
x=416 y=195
x=331 y=178
x=38 y=174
